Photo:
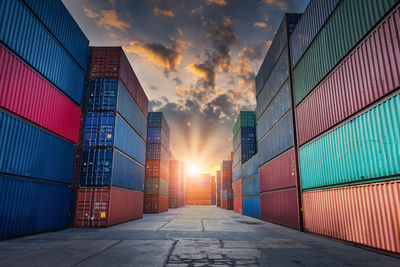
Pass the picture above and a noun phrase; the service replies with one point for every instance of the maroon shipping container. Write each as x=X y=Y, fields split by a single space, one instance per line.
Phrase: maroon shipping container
x=280 y=207
x=111 y=62
x=104 y=206
x=237 y=188
x=369 y=73
x=155 y=203
x=26 y=93
x=156 y=169
x=366 y=214
x=279 y=172
x=238 y=205
x=229 y=204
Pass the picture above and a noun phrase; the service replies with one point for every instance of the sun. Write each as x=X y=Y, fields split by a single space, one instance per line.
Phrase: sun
x=193 y=169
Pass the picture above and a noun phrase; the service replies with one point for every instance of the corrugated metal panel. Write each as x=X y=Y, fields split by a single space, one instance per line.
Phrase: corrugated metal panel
x=244 y=119
x=366 y=147
x=155 y=186
x=251 y=186
x=364 y=214
x=280 y=207
x=238 y=205
x=310 y=23
x=237 y=188
x=353 y=19
x=218 y=181
x=157 y=135
x=251 y=206
x=110 y=94
x=32 y=42
x=30 y=206
x=59 y=21
x=277 y=140
x=275 y=81
x=102 y=206
x=156 y=169
x=30 y=151
x=226 y=165
x=105 y=167
x=157 y=152
x=155 y=203
x=274 y=112
x=157 y=119
x=244 y=153
x=237 y=172
x=106 y=129
x=369 y=73
x=250 y=167
x=245 y=135
x=279 y=172
x=27 y=94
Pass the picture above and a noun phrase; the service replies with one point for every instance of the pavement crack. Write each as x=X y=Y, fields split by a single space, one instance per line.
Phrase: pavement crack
x=170 y=252
x=163 y=225
x=202 y=225
x=97 y=253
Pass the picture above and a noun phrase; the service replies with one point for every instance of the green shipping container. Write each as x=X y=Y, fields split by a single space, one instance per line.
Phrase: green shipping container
x=352 y=20
x=155 y=186
x=245 y=119
x=366 y=148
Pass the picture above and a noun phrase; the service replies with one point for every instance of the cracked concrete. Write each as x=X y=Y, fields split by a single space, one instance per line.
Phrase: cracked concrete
x=190 y=236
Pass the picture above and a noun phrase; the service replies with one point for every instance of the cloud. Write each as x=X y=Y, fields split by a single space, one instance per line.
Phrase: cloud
x=205 y=71
x=255 y=53
x=260 y=24
x=90 y=13
x=110 y=20
x=217 y=2
x=267 y=17
x=177 y=80
x=167 y=13
x=283 y=5
x=154 y=88
x=180 y=31
x=196 y=10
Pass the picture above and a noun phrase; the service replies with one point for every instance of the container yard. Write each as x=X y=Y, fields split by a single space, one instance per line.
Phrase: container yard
x=265 y=137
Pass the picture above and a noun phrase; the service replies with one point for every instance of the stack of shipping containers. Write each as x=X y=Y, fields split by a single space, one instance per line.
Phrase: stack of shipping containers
x=213 y=193
x=279 y=198
x=183 y=185
x=244 y=147
x=157 y=164
x=251 y=187
x=226 y=185
x=112 y=159
x=218 y=189
x=348 y=120
x=199 y=189
x=174 y=183
x=43 y=63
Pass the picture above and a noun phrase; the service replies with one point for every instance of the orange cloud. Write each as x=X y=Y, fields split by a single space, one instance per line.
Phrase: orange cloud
x=196 y=10
x=260 y=24
x=90 y=13
x=217 y=2
x=167 y=13
x=180 y=31
x=281 y=4
x=110 y=20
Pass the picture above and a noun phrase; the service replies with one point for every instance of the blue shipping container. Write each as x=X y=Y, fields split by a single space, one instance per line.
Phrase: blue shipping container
x=55 y=16
x=277 y=141
x=157 y=119
x=250 y=167
x=158 y=152
x=274 y=112
x=244 y=152
x=30 y=206
x=157 y=135
x=109 y=166
x=27 y=150
x=108 y=129
x=251 y=206
x=310 y=23
x=28 y=38
x=111 y=95
x=251 y=186
x=244 y=135
x=237 y=172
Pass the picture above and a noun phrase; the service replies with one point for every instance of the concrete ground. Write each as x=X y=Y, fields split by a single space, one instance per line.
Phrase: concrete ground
x=190 y=236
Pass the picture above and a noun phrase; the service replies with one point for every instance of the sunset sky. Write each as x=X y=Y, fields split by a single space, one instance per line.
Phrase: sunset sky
x=196 y=61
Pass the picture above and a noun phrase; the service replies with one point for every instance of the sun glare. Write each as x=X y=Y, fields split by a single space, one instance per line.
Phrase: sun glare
x=193 y=169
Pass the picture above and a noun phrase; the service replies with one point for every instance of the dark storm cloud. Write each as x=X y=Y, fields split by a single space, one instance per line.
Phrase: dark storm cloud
x=178 y=80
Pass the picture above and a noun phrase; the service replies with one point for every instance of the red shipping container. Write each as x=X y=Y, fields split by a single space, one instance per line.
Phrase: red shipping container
x=366 y=214
x=238 y=205
x=26 y=93
x=237 y=188
x=229 y=204
x=368 y=74
x=280 y=207
x=104 y=206
x=111 y=62
x=156 y=169
x=155 y=203
x=279 y=172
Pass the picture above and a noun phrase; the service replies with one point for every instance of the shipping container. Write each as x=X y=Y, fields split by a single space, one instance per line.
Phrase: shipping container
x=105 y=94
x=30 y=40
x=280 y=207
x=103 y=206
x=237 y=172
x=277 y=140
x=244 y=119
x=251 y=206
x=26 y=93
x=360 y=80
x=56 y=18
x=237 y=188
x=250 y=167
x=312 y=20
x=156 y=151
x=365 y=214
x=244 y=135
x=156 y=186
x=109 y=166
x=244 y=152
x=157 y=120
x=279 y=172
x=30 y=206
x=157 y=135
x=251 y=186
x=155 y=203
x=110 y=129
x=111 y=62
x=271 y=114
x=156 y=169
x=363 y=149
x=325 y=51
x=237 y=204
x=27 y=150
x=274 y=52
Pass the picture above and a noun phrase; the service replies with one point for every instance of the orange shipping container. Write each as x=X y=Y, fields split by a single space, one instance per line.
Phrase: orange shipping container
x=238 y=205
